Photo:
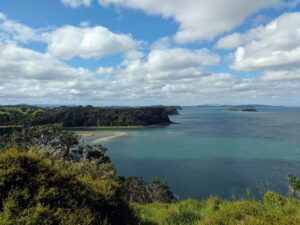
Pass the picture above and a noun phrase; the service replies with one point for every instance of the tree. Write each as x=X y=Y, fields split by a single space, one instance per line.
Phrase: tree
x=134 y=189
x=295 y=185
x=50 y=137
x=160 y=192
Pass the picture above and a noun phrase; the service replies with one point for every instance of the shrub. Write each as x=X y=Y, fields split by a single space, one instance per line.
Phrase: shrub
x=33 y=192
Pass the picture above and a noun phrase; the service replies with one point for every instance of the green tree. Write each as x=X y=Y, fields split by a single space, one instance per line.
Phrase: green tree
x=160 y=192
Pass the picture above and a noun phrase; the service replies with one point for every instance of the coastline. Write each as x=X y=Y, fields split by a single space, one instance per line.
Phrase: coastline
x=118 y=127
x=108 y=135
x=102 y=127
x=109 y=138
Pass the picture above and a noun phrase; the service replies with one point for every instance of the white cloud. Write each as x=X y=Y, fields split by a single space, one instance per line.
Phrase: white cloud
x=33 y=77
x=167 y=64
x=105 y=70
x=11 y=30
x=281 y=76
x=179 y=58
x=76 y=3
x=69 y=41
x=17 y=62
x=87 y=42
x=199 y=19
x=274 y=46
x=160 y=74
x=231 y=41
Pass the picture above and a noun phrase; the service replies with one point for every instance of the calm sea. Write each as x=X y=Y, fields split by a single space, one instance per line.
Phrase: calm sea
x=213 y=151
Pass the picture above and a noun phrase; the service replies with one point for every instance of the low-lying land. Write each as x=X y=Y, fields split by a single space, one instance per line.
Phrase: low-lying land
x=243 y=109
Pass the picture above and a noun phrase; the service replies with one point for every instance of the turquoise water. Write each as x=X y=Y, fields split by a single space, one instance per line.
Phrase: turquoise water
x=212 y=151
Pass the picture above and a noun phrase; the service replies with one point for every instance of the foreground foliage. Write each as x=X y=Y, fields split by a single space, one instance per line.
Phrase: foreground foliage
x=88 y=159
x=272 y=210
x=37 y=190
x=47 y=176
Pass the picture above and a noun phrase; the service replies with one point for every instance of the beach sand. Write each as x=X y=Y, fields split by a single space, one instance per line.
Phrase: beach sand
x=101 y=136
x=85 y=134
x=113 y=135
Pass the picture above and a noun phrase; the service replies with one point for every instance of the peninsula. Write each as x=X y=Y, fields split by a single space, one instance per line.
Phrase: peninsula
x=86 y=116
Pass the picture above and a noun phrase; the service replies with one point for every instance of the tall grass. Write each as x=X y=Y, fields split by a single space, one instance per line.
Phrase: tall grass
x=273 y=209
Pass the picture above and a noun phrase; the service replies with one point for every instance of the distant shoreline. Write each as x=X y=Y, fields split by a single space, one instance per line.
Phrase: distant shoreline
x=99 y=127
x=118 y=127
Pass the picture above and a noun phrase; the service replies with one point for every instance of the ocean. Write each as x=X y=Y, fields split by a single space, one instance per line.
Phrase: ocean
x=212 y=151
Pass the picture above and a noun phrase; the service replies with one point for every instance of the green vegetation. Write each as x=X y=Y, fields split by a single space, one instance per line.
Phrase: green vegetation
x=272 y=210
x=135 y=189
x=47 y=176
x=35 y=190
x=18 y=113
x=83 y=116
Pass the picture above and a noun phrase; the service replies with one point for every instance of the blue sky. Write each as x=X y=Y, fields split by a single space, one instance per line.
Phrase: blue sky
x=138 y=52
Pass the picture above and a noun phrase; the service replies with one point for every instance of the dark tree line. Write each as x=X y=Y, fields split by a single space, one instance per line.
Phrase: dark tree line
x=86 y=116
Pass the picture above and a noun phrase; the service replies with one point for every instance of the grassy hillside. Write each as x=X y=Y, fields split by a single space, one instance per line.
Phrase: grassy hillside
x=272 y=210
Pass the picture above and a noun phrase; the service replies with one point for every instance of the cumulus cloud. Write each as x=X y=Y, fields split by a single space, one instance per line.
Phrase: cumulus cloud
x=273 y=46
x=31 y=75
x=199 y=19
x=69 y=41
x=17 y=61
x=34 y=77
x=231 y=41
x=87 y=42
x=159 y=74
x=11 y=30
x=76 y=3
x=167 y=64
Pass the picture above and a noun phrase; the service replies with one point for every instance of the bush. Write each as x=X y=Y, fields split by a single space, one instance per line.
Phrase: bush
x=274 y=199
x=135 y=189
x=33 y=192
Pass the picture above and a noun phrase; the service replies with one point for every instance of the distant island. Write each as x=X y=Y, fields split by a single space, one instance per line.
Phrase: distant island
x=243 y=109
x=86 y=116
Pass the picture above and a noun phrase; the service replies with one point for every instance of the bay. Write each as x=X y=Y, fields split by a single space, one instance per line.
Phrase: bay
x=212 y=151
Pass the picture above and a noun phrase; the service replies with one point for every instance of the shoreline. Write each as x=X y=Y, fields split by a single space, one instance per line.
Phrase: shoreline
x=118 y=127
x=109 y=138
x=100 y=127
x=108 y=135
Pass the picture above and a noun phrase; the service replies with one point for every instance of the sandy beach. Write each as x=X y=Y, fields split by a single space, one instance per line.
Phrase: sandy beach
x=85 y=134
x=107 y=135
x=114 y=135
